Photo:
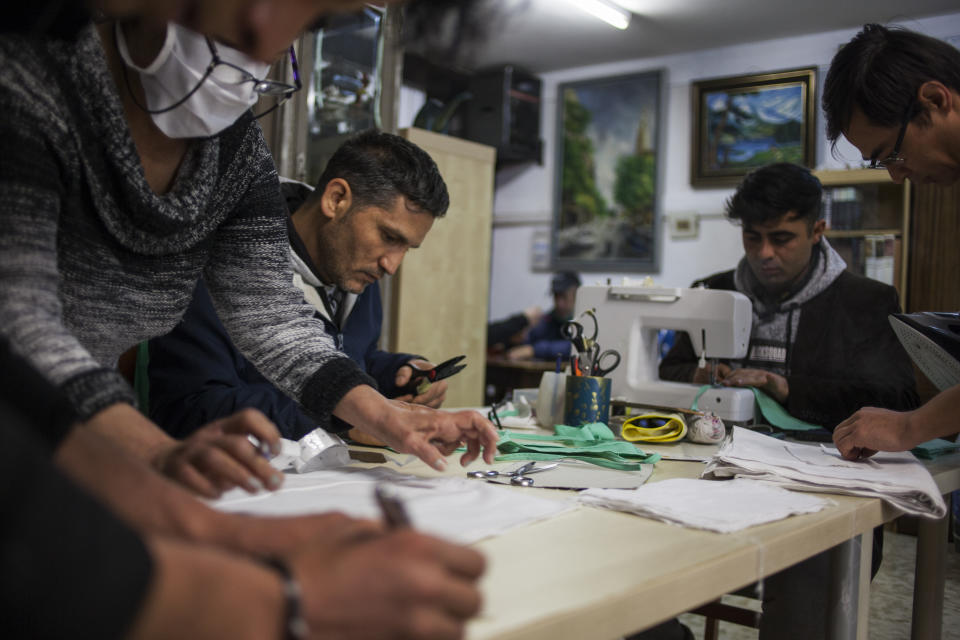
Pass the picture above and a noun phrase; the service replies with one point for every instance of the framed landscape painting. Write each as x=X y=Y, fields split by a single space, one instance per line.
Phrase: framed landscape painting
x=745 y=122
x=608 y=167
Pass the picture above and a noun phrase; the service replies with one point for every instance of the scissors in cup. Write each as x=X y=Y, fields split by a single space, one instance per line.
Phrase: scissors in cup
x=603 y=363
x=421 y=379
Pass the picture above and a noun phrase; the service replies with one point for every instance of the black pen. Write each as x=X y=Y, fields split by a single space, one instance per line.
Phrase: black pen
x=394 y=513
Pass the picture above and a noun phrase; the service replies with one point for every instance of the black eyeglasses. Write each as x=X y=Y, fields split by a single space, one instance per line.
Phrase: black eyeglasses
x=229 y=73
x=894 y=158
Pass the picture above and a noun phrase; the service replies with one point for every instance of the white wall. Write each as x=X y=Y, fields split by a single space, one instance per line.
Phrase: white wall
x=524 y=194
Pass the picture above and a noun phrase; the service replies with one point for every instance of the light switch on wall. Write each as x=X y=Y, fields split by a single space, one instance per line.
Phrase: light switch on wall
x=684 y=225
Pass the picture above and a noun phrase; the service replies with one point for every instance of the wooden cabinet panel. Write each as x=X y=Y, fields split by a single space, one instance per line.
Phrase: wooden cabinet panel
x=439 y=297
x=934 y=256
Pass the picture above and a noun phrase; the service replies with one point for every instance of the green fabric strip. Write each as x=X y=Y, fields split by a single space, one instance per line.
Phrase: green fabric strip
x=593 y=443
x=934 y=448
x=772 y=411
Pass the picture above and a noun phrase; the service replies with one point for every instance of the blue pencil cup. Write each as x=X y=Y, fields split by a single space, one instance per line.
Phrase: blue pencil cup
x=587 y=400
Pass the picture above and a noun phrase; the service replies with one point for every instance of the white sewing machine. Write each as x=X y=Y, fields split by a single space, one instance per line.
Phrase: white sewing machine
x=629 y=317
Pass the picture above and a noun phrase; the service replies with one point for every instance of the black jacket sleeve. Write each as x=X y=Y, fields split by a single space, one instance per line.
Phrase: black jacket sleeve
x=197 y=375
x=846 y=355
x=68 y=568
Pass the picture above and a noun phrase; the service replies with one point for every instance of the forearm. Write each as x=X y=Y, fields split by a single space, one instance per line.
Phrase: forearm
x=131 y=431
x=197 y=592
x=938 y=418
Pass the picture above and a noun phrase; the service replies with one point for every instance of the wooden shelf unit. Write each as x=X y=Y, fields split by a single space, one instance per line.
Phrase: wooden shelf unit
x=884 y=210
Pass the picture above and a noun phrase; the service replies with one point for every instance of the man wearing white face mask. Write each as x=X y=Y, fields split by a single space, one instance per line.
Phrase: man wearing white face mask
x=113 y=208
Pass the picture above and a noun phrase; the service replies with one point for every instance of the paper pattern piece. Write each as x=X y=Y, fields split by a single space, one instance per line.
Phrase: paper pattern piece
x=897 y=478
x=721 y=506
x=459 y=510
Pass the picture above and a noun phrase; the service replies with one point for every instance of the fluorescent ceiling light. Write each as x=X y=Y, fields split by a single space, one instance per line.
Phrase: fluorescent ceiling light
x=614 y=16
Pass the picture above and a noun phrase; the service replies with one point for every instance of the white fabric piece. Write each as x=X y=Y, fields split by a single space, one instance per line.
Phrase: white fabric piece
x=315 y=451
x=897 y=478
x=723 y=507
x=456 y=509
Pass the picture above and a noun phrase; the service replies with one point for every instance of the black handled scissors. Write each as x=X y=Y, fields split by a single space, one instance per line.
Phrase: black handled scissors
x=421 y=379
x=573 y=331
x=597 y=366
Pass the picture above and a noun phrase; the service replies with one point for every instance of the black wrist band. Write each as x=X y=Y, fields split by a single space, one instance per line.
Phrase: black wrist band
x=295 y=626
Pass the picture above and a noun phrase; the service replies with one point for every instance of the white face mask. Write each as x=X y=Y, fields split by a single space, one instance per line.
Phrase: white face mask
x=178 y=68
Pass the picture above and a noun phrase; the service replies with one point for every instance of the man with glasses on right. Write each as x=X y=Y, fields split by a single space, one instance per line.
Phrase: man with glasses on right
x=895 y=95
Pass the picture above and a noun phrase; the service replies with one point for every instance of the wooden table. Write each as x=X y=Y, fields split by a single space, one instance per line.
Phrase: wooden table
x=602 y=574
x=595 y=573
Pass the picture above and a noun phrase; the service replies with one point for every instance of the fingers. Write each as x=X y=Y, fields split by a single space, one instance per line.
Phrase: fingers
x=254 y=423
x=472 y=453
x=434 y=396
x=403 y=376
x=414 y=443
x=189 y=477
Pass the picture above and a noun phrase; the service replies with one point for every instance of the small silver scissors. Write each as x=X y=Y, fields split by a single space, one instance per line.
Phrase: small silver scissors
x=518 y=477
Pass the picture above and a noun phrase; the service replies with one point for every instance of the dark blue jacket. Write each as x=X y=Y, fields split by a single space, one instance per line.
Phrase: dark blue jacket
x=547 y=338
x=196 y=374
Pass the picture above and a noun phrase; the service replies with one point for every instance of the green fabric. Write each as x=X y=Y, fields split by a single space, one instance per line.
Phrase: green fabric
x=935 y=448
x=772 y=411
x=141 y=379
x=594 y=443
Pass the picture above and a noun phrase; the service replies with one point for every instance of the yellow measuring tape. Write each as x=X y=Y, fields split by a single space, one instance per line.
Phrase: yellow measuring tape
x=654 y=427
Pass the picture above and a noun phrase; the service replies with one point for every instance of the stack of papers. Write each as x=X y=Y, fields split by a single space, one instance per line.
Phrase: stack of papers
x=456 y=509
x=897 y=478
x=702 y=504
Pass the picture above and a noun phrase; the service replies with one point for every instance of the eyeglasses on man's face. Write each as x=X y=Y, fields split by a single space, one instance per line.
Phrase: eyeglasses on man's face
x=894 y=159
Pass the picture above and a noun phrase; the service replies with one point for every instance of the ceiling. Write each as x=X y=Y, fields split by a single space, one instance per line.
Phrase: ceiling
x=547 y=35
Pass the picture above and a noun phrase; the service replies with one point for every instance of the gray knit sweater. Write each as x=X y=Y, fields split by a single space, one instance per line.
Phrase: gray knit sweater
x=92 y=261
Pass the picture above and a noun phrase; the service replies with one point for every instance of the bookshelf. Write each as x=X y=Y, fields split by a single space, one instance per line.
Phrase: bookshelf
x=868 y=223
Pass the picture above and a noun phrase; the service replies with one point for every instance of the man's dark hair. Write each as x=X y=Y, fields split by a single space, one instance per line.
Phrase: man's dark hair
x=563 y=281
x=381 y=166
x=770 y=192
x=880 y=71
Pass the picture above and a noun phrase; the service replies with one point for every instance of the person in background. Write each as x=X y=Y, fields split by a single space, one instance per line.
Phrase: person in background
x=895 y=95
x=377 y=198
x=820 y=342
x=545 y=341
x=512 y=331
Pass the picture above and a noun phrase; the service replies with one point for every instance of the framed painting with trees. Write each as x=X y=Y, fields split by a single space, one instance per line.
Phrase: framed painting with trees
x=608 y=168
x=744 y=122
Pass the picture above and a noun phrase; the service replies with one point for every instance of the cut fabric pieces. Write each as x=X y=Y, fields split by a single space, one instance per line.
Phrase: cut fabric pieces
x=723 y=507
x=594 y=443
x=897 y=478
x=455 y=509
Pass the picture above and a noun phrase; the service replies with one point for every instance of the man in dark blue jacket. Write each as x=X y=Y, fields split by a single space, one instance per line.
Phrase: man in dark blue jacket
x=377 y=198
x=545 y=340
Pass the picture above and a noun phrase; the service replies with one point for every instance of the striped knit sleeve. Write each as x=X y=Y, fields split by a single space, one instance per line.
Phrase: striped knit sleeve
x=33 y=170
x=250 y=280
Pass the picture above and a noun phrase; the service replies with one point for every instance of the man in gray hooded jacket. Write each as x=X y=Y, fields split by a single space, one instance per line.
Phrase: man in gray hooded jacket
x=820 y=344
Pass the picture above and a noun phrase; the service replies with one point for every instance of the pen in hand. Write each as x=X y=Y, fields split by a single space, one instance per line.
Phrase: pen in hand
x=394 y=513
